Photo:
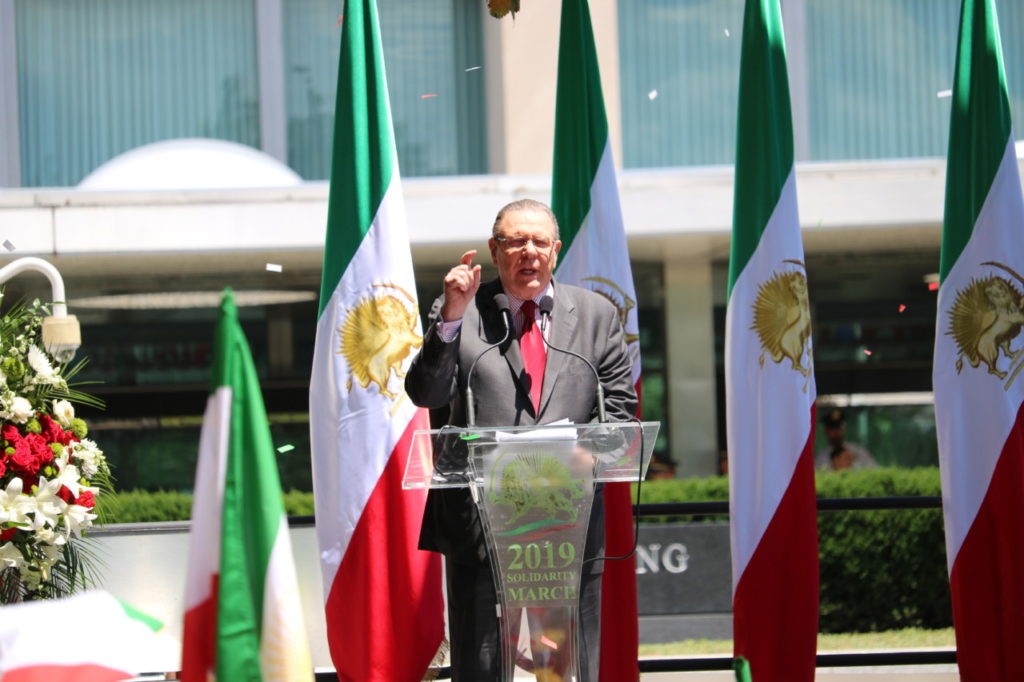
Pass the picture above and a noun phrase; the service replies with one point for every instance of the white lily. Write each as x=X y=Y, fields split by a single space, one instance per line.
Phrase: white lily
x=68 y=477
x=64 y=412
x=10 y=557
x=14 y=505
x=78 y=518
x=46 y=507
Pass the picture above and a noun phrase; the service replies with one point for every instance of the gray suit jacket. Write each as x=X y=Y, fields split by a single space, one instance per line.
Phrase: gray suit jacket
x=581 y=321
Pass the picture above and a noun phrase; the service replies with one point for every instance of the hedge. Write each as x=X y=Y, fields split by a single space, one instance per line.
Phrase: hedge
x=880 y=570
x=140 y=506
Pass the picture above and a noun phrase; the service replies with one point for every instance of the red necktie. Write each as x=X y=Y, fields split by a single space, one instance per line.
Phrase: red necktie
x=531 y=345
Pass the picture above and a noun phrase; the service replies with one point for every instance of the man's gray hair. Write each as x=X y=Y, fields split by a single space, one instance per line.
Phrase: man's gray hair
x=525 y=205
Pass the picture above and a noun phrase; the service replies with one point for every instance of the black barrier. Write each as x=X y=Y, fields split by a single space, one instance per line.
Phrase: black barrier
x=836 y=660
x=824 y=504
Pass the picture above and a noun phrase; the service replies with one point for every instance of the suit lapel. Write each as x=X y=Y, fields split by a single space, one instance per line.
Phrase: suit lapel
x=563 y=323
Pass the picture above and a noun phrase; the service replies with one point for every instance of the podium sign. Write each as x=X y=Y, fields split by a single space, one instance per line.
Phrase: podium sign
x=534 y=489
x=538 y=498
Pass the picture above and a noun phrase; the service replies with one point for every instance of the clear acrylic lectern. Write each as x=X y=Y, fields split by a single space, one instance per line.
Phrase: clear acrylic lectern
x=534 y=487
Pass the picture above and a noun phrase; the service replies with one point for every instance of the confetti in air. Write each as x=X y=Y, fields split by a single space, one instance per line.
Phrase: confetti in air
x=726 y=32
x=944 y=93
x=285 y=448
x=428 y=95
x=902 y=307
x=474 y=68
x=867 y=352
x=274 y=267
x=8 y=245
x=652 y=94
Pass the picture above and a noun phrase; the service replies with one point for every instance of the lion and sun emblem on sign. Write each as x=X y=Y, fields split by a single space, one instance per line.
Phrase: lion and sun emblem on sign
x=782 y=320
x=377 y=335
x=541 y=482
x=985 y=320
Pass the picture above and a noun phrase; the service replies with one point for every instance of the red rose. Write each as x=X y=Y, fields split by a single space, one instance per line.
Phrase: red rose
x=86 y=499
x=10 y=433
x=40 y=449
x=7 y=534
x=3 y=464
x=66 y=495
x=54 y=432
x=23 y=460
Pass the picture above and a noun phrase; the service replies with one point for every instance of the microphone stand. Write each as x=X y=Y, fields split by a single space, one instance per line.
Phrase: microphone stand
x=546 y=304
x=501 y=301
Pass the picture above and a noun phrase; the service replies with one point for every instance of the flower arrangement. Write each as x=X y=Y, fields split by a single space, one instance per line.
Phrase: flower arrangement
x=50 y=472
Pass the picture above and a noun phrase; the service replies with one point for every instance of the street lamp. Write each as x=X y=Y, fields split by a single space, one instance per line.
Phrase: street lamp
x=61 y=334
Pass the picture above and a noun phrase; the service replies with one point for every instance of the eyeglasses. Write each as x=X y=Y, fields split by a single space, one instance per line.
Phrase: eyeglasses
x=515 y=244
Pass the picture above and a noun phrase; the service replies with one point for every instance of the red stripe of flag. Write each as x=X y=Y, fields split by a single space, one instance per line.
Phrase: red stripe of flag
x=368 y=619
x=779 y=588
x=986 y=575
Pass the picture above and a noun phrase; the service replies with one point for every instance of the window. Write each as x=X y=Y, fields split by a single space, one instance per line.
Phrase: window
x=98 y=78
x=432 y=52
x=679 y=62
x=867 y=78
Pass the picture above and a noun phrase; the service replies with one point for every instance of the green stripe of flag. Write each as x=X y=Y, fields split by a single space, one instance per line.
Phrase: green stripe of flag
x=149 y=621
x=252 y=506
x=581 y=126
x=362 y=156
x=764 y=131
x=741 y=667
x=979 y=128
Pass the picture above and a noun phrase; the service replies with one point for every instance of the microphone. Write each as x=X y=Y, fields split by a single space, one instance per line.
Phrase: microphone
x=546 y=304
x=501 y=301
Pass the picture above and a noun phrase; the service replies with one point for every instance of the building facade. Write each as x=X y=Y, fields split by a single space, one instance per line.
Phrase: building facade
x=85 y=84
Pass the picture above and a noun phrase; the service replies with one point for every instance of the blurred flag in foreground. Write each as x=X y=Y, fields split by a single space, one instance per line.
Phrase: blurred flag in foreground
x=243 y=615
x=88 y=637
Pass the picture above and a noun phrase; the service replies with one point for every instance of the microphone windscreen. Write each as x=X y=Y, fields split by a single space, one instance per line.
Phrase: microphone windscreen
x=546 y=305
x=501 y=300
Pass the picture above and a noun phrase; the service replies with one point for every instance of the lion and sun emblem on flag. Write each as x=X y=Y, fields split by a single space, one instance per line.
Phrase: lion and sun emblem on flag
x=985 y=320
x=782 y=320
x=624 y=304
x=377 y=336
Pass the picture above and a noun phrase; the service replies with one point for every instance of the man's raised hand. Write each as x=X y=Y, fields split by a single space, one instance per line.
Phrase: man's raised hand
x=460 y=286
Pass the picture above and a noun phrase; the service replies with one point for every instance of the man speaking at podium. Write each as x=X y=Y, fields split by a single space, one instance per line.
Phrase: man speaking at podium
x=528 y=379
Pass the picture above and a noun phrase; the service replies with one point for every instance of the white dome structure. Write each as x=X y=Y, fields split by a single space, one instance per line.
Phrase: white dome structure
x=191 y=163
